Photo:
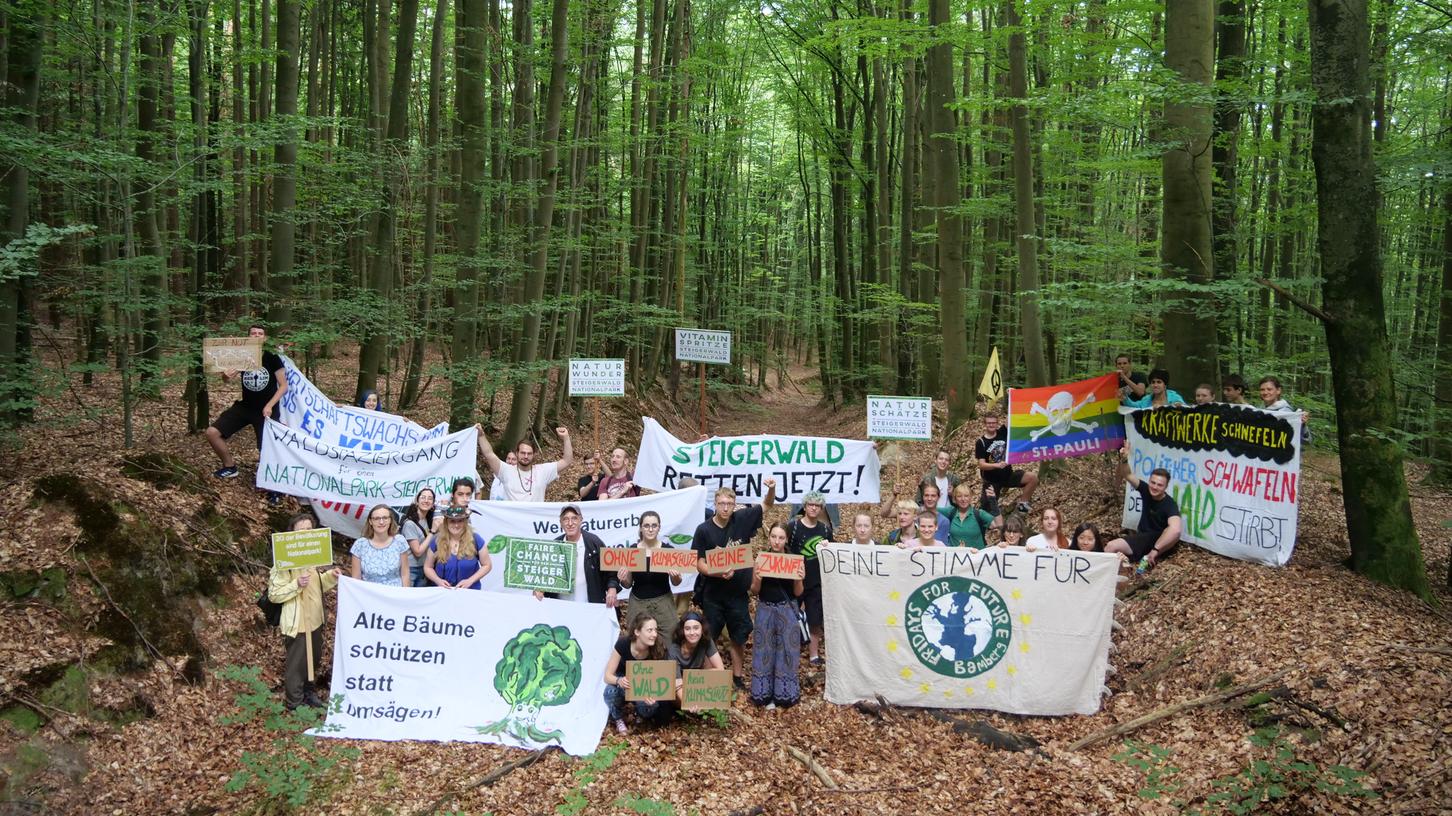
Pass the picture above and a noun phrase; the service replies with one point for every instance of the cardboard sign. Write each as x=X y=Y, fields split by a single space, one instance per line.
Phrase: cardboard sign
x=705 y=688
x=673 y=560
x=701 y=346
x=597 y=378
x=651 y=679
x=781 y=565
x=618 y=558
x=302 y=548
x=726 y=559
x=228 y=354
x=545 y=566
x=899 y=417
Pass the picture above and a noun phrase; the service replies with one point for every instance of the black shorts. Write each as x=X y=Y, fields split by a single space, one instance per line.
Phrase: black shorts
x=731 y=613
x=1009 y=477
x=239 y=416
x=1140 y=544
x=812 y=602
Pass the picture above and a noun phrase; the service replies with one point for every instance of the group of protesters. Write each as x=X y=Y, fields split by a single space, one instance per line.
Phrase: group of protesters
x=431 y=543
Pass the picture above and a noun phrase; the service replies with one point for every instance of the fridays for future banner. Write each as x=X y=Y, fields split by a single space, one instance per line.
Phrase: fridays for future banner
x=846 y=470
x=309 y=410
x=435 y=664
x=1002 y=629
x=616 y=522
x=1234 y=472
x=1060 y=421
x=297 y=464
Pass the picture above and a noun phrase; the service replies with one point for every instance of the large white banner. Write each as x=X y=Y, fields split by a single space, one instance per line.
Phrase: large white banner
x=1001 y=629
x=616 y=522
x=342 y=517
x=443 y=664
x=1234 y=471
x=308 y=409
x=845 y=470
x=297 y=464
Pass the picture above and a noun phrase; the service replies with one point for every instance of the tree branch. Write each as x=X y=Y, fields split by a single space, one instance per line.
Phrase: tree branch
x=1295 y=300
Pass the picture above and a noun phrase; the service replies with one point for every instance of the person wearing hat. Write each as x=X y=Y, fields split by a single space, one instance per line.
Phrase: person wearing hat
x=592 y=584
x=803 y=536
x=457 y=557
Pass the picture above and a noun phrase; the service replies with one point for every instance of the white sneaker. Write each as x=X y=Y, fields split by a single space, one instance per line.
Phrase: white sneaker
x=771 y=706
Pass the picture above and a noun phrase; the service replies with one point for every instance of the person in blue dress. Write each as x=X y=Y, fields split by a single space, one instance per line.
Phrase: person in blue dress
x=457 y=557
x=381 y=557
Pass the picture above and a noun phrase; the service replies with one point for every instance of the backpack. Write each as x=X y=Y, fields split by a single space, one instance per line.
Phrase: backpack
x=271 y=611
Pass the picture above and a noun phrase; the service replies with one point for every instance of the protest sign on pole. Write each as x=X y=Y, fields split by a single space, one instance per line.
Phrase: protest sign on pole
x=1000 y=629
x=295 y=463
x=302 y=548
x=597 y=378
x=705 y=688
x=899 y=417
x=616 y=522
x=992 y=385
x=223 y=355
x=1234 y=472
x=701 y=347
x=541 y=566
x=1059 y=421
x=844 y=470
x=309 y=410
x=531 y=672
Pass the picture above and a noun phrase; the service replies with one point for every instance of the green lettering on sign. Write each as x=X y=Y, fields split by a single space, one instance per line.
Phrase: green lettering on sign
x=543 y=566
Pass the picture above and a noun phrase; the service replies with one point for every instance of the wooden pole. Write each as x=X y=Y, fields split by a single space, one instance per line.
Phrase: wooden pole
x=701 y=370
x=308 y=639
x=597 y=425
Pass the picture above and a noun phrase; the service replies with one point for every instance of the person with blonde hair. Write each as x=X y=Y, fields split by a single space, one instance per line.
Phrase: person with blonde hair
x=381 y=557
x=300 y=593
x=907 y=524
x=457 y=556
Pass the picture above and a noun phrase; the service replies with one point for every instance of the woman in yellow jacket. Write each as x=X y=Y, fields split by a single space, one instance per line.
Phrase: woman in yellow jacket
x=300 y=591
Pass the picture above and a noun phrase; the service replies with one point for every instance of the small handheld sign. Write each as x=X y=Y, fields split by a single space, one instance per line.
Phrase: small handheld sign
x=542 y=566
x=626 y=558
x=302 y=548
x=227 y=354
x=673 y=560
x=727 y=559
x=705 y=688
x=651 y=679
x=781 y=565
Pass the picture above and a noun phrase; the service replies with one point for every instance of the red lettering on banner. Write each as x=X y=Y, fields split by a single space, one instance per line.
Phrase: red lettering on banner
x=1271 y=484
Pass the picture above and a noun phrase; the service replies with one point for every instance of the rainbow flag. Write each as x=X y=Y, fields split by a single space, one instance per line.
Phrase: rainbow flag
x=1060 y=421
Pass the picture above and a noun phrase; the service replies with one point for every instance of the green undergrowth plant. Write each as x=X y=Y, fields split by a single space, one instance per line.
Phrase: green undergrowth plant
x=589 y=770
x=293 y=769
x=647 y=806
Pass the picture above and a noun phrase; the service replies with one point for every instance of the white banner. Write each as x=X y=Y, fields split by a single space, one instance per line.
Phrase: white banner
x=845 y=470
x=309 y=410
x=1234 y=471
x=299 y=465
x=702 y=346
x=616 y=522
x=597 y=378
x=1001 y=629
x=342 y=517
x=899 y=417
x=439 y=664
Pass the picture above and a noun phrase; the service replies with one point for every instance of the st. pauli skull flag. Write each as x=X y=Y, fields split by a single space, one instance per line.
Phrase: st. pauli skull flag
x=1059 y=421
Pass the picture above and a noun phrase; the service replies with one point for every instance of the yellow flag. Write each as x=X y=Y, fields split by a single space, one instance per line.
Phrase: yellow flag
x=992 y=385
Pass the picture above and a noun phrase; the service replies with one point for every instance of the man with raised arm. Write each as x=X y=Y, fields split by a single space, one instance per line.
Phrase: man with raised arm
x=1159 y=517
x=262 y=389
x=524 y=480
x=725 y=598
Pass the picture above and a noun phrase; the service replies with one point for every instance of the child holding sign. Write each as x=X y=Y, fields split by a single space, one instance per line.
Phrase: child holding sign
x=300 y=591
x=642 y=643
x=778 y=637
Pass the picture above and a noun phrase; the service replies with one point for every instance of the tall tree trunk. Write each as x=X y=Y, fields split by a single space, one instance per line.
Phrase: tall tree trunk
x=24 y=43
x=907 y=195
x=1185 y=241
x=1230 y=67
x=1379 y=525
x=431 y=206
x=147 y=225
x=946 y=191
x=284 y=184
x=239 y=273
x=1025 y=224
x=203 y=214
x=1442 y=438
x=472 y=22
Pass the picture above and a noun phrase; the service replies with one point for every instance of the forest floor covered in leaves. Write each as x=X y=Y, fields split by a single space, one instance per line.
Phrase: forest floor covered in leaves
x=1359 y=674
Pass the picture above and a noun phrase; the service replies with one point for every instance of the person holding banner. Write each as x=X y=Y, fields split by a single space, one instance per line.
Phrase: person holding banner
x=907 y=524
x=1132 y=384
x=643 y=642
x=262 y=388
x=862 y=530
x=1087 y=538
x=1232 y=390
x=418 y=524
x=496 y=488
x=991 y=453
x=1270 y=395
x=458 y=557
x=1159 y=393
x=778 y=646
x=369 y=399
x=724 y=598
x=650 y=592
x=300 y=591
x=592 y=584
x=381 y=557
x=1204 y=394
x=1159 y=519
x=526 y=481
x=461 y=492
x=1011 y=532
x=968 y=524
x=927 y=522
x=1051 y=532
x=619 y=483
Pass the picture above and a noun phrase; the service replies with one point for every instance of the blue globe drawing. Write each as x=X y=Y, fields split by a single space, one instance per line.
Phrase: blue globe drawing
x=959 y=624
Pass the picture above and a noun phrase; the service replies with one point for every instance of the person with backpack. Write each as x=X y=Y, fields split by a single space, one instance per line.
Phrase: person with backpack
x=967 y=524
x=300 y=593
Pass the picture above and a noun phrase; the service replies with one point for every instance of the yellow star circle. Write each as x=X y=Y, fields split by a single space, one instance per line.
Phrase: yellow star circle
x=894 y=595
x=906 y=673
x=892 y=646
x=892 y=620
x=1017 y=594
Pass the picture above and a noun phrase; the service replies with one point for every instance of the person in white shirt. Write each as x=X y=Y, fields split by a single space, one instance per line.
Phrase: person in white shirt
x=526 y=481
x=1051 y=537
x=496 y=490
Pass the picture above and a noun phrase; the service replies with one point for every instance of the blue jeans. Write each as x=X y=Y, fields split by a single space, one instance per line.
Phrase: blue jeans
x=615 y=700
x=416 y=577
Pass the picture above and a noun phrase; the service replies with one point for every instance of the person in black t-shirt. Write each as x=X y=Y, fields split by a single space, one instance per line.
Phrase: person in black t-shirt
x=991 y=451
x=262 y=388
x=643 y=641
x=778 y=647
x=589 y=484
x=1159 y=517
x=1132 y=384
x=725 y=598
x=803 y=536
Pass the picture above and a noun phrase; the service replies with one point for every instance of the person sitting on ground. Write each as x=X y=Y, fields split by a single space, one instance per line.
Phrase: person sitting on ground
x=642 y=641
x=262 y=389
x=1132 y=384
x=1051 y=532
x=418 y=523
x=381 y=557
x=907 y=524
x=968 y=524
x=777 y=648
x=496 y=488
x=1270 y=395
x=804 y=535
x=1204 y=394
x=620 y=482
x=588 y=488
x=991 y=453
x=1087 y=538
x=457 y=556
x=1232 y=390
x=1159 y=393
x=724 y=598
x=300 y=592
x=370 y=400
x=692 y=648
x=862 y=529
x=1159 y=517
x=526 y=481
x=650 y=592
x=592 y=584
x=1012 y=532
x=939 y=477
